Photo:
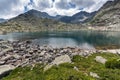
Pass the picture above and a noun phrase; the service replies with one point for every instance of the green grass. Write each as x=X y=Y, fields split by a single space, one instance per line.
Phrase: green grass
x=90 y=65
x=113 y=64
x=66 y=71
x=26 y=73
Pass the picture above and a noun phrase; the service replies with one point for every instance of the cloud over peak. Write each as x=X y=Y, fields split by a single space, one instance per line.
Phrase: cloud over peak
x=11 y=8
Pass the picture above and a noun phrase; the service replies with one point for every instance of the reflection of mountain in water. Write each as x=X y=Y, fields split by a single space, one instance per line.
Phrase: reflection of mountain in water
x=81 y=38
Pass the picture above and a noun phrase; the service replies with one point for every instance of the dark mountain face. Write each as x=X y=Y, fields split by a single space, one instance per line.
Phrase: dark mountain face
x=37 y=14
x=33 y=18
x=80 y=17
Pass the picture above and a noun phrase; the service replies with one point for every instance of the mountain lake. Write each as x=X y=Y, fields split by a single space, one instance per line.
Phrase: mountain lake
x=82 y=39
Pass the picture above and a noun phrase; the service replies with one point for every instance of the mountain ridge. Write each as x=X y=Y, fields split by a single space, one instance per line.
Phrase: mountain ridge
x=29 y=22
x=109 y=14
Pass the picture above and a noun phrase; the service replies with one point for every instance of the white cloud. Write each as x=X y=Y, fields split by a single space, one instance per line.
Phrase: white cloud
x=97 y=5
x=11 y=8
x=55 y=11
x=42 y=4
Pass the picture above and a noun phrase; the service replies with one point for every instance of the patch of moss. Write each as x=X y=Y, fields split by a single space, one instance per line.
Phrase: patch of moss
x=113 y=64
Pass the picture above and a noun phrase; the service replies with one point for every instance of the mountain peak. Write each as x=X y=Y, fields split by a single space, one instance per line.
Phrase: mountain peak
x=38 y=14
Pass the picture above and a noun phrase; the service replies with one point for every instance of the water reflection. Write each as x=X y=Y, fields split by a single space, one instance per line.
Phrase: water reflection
x=83 y=39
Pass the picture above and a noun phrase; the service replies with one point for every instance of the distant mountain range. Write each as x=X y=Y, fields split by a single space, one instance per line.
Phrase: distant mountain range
x=108 y=16
x=2 y=20
x=80 y=17
x=34 y=20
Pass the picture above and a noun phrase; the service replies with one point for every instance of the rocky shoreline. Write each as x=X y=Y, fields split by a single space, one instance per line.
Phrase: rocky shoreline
x=16 y=52
x=22 y=53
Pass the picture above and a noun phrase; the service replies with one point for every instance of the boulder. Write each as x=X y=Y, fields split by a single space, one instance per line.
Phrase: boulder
x=58 y=60
x=100 y=59
x=2 y=62
x=62 y=59
x=5 y=69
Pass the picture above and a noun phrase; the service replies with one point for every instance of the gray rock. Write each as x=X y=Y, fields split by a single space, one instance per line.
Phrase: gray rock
x=75 y=53
x=2 y=62
x=100 y=59
x=4 y=69
x=16 y=56
x=94 y=75
x=62 y=59
x=6 y=57
x=58 y=60
x=2 y=53
x=42 y=53
x=47 y=56
x=75 y=68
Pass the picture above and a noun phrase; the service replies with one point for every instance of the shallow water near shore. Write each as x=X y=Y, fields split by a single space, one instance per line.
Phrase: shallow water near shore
x=82 y=39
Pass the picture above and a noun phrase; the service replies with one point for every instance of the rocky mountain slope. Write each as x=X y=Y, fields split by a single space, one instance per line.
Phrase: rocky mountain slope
x=33 y=21
x=39 y=14
x=108 y=15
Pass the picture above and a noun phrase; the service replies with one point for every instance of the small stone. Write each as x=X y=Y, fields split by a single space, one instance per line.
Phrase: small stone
x=75 y=53
x=27 y=55
x=30 y=52
x=28 y=42
x=75 y=68
x=47 y=56
x=16 y=56
x=42 y=53
x=94 y=75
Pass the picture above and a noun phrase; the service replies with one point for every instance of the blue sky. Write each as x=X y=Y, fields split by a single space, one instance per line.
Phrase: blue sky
x=12 y=8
